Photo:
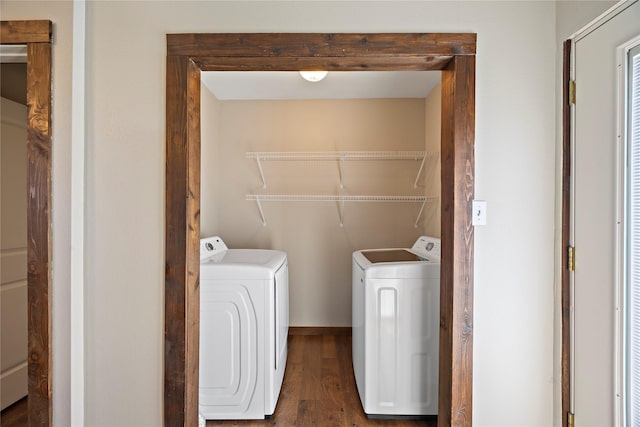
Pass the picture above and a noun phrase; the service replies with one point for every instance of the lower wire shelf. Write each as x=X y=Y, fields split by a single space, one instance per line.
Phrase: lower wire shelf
x=341 y=199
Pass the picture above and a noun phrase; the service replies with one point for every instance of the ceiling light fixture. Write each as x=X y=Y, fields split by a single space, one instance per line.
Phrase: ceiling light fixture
x=12 y=54
x=313 y=76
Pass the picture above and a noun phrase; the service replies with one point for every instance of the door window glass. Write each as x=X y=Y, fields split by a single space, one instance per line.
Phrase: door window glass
x=633 y=235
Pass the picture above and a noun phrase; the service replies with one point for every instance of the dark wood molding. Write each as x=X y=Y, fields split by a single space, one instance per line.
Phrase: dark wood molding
x=313 y=45
x=188 y=54
x=182 y=294
x=37 y=36
x=39 y=231
x=23 y=32
x=456 y=279
x=566 y=224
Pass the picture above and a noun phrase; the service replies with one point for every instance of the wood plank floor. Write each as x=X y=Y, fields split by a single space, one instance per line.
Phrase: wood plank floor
x=15 y=415
x=319 y=388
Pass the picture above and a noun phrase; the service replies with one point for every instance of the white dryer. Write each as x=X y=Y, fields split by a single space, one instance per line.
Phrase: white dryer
x=395 y=321
x=244 y=323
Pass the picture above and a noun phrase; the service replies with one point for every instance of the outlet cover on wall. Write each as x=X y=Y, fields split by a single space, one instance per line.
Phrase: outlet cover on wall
x=479 y=212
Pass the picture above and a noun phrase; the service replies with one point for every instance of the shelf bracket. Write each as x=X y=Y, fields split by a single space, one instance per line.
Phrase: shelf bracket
x=415 y=184
x=420 y=214
x=341 y=165
x=264 y=182
x=264 y=221
x=341 y=209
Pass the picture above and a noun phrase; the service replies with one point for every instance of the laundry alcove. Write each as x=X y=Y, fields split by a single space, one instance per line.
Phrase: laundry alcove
x=330 y=176
x=189 y=54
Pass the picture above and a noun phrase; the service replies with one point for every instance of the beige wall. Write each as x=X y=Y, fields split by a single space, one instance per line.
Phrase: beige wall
x=432 y=176
x=211 y=180
x=318 y=248
x=513 y=372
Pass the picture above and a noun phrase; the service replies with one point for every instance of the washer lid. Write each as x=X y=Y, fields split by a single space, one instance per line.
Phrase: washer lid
x=403 y=270
x=390 y=255
x=428 y=248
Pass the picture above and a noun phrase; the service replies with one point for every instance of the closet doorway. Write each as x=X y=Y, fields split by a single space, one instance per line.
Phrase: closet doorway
x=36 y=36
x=190 y=54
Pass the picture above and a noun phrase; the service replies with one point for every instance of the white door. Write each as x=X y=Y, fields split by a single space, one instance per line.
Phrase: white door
x=13 y=252
x=594 y=215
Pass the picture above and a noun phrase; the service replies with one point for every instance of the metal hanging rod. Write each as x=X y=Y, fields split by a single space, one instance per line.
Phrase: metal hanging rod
x=341 y=199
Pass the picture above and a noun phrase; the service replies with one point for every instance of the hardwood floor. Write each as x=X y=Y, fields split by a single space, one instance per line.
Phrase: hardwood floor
x=319 y=388
x=15 y=415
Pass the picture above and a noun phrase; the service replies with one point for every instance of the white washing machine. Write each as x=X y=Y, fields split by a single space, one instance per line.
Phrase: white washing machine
x=396 y=309
x=244 y=323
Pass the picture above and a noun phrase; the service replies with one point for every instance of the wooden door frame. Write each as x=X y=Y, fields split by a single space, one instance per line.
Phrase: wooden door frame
x=188 y=55
x=37 y=35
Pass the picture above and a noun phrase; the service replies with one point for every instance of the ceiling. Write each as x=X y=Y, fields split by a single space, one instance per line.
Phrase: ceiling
x=255 y=85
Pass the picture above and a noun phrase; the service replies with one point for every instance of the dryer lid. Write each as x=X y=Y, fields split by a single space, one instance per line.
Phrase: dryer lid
x=242 y=264
x=211 y=246
x=263 y=257
x=218 y=262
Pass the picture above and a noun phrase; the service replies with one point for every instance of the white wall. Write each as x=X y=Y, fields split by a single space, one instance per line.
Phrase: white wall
x=60 y=13
x=515 y=152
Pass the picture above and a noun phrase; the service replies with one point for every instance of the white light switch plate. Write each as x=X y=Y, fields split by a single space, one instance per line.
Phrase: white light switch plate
x=479 y=212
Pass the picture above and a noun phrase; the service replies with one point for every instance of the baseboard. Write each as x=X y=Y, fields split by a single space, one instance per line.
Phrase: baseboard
x=319 y=330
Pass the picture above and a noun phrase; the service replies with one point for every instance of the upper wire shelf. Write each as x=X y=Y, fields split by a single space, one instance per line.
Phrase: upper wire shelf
x=342 y=156
x=335 y=155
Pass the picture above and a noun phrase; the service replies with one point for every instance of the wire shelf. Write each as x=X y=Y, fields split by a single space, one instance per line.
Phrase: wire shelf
x=341 y=156
x=336 y=198
x=341 y=199
x=336 y=155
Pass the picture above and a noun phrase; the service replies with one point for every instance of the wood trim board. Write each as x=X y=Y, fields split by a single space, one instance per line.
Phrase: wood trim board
x=37 y=36
x=315 y=45
x=456 y=278
x=24 y=32
x=188 y=55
